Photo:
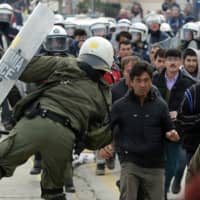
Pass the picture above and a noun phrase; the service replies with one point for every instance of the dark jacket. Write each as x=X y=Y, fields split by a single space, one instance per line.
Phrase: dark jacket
x=189 y=119
x=141 y=129
x=156 y=37
x=177 y=92
x=119 y=90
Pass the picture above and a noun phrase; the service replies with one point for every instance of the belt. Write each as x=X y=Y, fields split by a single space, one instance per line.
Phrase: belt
x=65 y=121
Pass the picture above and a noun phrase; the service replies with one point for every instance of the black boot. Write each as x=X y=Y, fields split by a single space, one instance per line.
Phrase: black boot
x=69 y=186
x=61 y=197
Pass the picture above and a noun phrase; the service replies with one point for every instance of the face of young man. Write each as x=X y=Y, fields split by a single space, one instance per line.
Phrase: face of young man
x=141 y=84
x=125 y=50
x=159 y=63
x=126 y=72
x=172 y=64
x=191 y=64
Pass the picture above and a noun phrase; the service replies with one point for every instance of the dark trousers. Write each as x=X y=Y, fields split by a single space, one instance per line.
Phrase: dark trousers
x=136 y=180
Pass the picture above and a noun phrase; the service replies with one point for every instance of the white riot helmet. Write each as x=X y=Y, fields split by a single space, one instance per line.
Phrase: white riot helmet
x=139 y=28
x=98 y=53
x=189 y=31
x=153 y=18
x=70 y=28
x=56 y=41
x=6 y=13
x=98 y=29
x=165 y=27
x=123 y=25
x=58 y=20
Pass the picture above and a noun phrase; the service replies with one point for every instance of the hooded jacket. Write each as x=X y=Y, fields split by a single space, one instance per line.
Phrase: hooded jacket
x=197 y=75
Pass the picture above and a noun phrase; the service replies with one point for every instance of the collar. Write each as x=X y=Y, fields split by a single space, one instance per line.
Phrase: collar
x=150 y=96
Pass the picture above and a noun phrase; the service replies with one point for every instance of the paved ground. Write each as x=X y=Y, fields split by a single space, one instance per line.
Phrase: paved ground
x=23 y=186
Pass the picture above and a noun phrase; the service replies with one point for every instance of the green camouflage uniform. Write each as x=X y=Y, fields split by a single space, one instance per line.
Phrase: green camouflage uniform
x=75 y=96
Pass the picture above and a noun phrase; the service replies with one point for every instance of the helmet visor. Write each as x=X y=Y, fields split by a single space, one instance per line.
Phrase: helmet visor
x=136 y=36
x=5 y=17
x=56 y=44
x=187 y=35
x=94 y=61
x=99 y=32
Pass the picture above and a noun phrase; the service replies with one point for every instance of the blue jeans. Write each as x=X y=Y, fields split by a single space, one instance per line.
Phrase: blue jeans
x=182 y=162
x=172 y=153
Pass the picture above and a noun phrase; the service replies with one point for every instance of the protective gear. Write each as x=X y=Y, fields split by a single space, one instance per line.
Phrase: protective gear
x=58 y=20
x=162 y=18
x=165 y=27
x=6 y=13
x=189 y=31
x=70 y=28
x=98 y=29
x=98 y=53
x=123 y=25
x=112 y=26
x=153 y=18
x=140 y=28
x=56 y=41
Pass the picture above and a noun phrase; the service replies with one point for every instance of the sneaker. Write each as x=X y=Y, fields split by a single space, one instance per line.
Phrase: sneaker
x=100 y=169
x=110 y=163
x=35 y=171
x=176 y=187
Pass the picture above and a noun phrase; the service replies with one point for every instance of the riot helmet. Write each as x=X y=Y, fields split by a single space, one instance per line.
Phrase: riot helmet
x=6 y=13
x=56 y=41
x=59 y=20
x=123 y=25
x=139 y=32
x=189 y=31
x=98 y=53
x=98 y=29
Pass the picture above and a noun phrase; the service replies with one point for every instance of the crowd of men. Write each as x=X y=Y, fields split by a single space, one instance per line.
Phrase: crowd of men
x=151 y=64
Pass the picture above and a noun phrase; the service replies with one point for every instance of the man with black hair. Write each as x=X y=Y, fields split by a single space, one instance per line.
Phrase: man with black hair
x=159 y=60
x=140 y=121
x=191 y=63
x=125 y=49
x=172 y=83
x=80 y=36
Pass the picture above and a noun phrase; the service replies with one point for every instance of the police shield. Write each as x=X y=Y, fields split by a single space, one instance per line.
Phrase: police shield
x=24 y=47
x=168 y=43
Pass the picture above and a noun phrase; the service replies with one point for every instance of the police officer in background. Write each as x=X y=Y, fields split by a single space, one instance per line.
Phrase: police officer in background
x=54 y=117
x=7 y=34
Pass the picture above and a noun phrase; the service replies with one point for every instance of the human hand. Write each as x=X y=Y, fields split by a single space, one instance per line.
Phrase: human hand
x=172 y=135
x=106 y=152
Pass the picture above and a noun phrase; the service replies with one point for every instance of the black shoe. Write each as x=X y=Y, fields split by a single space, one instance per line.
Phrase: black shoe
x=70 y=188
x=35 y=171
x=176 y=187
x=110 y=163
